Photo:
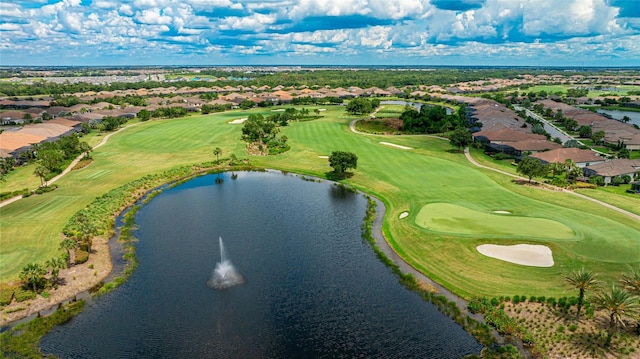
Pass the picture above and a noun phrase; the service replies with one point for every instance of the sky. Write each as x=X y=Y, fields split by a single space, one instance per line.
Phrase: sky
x=320 y=32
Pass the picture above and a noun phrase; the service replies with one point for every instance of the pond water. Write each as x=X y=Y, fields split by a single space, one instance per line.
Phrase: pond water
x=618 y=115
x=312 y=287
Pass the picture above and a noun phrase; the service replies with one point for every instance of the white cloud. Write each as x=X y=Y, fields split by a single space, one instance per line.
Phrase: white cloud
x=153 y=17
x=256 y=22
x=125 y=9
x=376 y=36
x=10 y=10
x=10 y=27
x=102 y=4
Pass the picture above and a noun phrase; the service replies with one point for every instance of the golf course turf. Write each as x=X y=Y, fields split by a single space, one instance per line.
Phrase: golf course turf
x=454 y=219
x=579 y=233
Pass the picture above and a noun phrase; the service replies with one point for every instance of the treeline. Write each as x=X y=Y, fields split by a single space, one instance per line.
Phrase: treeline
x=333 y=78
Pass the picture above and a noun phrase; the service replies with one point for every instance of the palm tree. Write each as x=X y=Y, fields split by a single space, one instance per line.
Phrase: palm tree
x=619 y=304
x=631 y=282
x=56 y=264
x=67 y=245
x=33 y=274
x=217 y=151
x=42 y=172
x=582 y=280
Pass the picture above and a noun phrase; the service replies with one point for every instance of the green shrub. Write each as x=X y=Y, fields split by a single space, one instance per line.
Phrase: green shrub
x=81 y=256
x=41 y=190
x=532 y=298
x=495 y=302
x=22 y=294
x=6 y=296
x=540 y=299
x=560 y=329
x=573 y=327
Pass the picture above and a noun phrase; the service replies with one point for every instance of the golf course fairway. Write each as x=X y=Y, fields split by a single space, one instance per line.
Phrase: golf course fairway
x=430 y=175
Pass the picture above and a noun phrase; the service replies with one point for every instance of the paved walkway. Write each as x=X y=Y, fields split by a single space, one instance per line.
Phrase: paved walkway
x=70 y=167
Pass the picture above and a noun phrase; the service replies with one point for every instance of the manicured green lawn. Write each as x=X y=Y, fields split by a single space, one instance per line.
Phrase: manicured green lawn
x=458 y=220
x=406 y=180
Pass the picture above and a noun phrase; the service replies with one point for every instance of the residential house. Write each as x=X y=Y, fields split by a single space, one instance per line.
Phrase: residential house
x=582 y=158
x=610 y=169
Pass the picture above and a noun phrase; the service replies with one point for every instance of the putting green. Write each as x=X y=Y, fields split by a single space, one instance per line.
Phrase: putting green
x=454 y=219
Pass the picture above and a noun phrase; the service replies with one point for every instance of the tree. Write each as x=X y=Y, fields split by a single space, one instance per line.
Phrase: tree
x=585 y=131
x=359 y=106
x=624 y=153
x=571 y=144
x=85 y=230
x=56 y=264
x=555 y=168
x=341 y=161
x=597 y=137
x=619 y=304
x=51 y=159
x=67 y=245
x=460 y=138
x=144 y=115
x=216 y=152
x=631 y=283
x=246 y=104
x=42 y=172
x=625 y=119
x=86 y=149
x=582 y=280
x=531 y=167
x=33 y=274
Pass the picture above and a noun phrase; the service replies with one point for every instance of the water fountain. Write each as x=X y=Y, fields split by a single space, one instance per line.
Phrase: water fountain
x=225 y=274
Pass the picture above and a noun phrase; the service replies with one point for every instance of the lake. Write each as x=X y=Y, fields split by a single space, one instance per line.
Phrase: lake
x=618 y=115
x=313 y=287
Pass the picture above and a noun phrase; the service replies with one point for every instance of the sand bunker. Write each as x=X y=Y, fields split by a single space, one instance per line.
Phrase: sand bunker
x=501 y=212
x=322 y=109
x=397 y=146
x=323 y=156
x=238 y=121
x=525 y=254
x=278 y=110
x=404 y=215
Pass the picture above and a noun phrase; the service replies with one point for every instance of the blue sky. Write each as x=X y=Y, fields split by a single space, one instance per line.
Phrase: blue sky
x=320 y=32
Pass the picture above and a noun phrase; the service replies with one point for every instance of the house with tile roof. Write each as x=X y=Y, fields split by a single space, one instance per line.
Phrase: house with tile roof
x=610 y=169
x=582 y=158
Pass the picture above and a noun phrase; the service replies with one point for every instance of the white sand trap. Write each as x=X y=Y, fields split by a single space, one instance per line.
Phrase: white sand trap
x=238 y=121
x=501 y=212
x=397 y=146
x=404 y=215
x=322 y=109
x=525 y=254
x=278 y=110
x=323 y=156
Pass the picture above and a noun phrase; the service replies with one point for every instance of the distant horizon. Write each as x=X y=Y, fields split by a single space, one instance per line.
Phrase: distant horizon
x=408 y=67
x=533 y=33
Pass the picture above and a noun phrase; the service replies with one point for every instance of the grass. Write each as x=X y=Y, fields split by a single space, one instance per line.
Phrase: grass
x=405 y=180
x=458 y=220
x=615 y=195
